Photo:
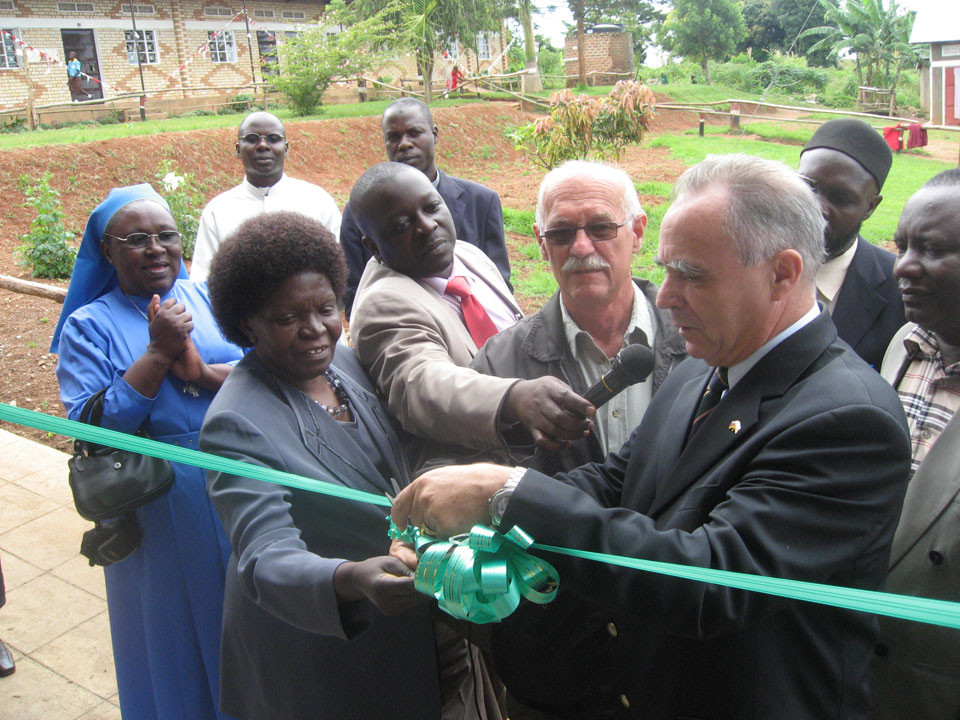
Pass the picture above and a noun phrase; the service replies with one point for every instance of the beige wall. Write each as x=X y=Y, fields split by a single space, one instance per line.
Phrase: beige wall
x=181 y=28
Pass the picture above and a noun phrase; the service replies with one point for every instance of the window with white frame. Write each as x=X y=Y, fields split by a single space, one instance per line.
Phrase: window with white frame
x=223 y=49
x=294 y=15
x=483 y=46
x=145 y=46
x=7 y=5
x=453 y=50
x=138 y=9
x=263 y=14
x=75 y=7
x=8 y=49
x=217 y=11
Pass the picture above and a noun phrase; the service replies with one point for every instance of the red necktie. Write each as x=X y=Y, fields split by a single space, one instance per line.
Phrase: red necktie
x=478 y=323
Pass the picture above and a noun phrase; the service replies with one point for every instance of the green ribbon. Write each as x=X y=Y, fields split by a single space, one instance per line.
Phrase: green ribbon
x=480 y=576
x=925 y=610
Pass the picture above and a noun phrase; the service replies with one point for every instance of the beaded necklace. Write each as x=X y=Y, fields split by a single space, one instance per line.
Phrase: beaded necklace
x=344 y=407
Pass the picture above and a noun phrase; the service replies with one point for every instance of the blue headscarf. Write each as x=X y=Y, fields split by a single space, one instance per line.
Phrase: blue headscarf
x=93 y=275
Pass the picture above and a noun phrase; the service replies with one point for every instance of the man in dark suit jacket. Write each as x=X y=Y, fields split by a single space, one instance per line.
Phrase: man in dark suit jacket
x=775 y=450
x=409 y=136
x=846 y=163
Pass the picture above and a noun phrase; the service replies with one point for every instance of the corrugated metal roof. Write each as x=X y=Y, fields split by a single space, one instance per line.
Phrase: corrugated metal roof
x=938 y=21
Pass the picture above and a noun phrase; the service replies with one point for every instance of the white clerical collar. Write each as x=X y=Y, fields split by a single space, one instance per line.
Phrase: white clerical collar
x=832 y=273
x=736 y=372
x=261 y=192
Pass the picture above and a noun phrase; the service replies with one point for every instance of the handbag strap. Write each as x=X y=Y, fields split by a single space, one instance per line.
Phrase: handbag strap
x=91 y=414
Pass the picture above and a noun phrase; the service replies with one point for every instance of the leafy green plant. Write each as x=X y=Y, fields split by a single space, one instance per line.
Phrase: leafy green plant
x=238 y=104
x=310 y=61
x=581 y=126
x=46 y=248
x=185 y=201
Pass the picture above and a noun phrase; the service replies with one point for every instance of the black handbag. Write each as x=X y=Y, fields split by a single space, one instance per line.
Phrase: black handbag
x=109 y=483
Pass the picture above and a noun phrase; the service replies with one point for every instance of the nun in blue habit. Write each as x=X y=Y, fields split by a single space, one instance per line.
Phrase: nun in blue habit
x=133 y=323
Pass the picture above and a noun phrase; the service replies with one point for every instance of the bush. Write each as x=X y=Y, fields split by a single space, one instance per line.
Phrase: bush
x=45 y=248
x=185 y=201
x=16 y=125
x=581 y=126
x=238 y=104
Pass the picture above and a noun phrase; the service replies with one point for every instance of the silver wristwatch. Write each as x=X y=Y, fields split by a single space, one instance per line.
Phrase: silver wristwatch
x=497 y=504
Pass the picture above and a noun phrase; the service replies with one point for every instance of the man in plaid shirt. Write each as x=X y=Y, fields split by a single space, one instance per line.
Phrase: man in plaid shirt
x=916 y=671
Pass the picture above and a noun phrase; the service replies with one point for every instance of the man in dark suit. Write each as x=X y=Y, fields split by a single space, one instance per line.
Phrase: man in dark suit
x=410 y=136
x=846 y=163
x=775 y=450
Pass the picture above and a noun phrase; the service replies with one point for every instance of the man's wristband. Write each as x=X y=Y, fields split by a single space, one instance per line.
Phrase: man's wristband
x=497 y=504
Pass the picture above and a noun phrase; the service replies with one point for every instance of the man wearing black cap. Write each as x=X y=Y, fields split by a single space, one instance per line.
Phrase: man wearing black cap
x=846 y=162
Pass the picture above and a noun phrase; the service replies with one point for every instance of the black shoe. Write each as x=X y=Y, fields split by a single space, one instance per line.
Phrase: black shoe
x=6 y=661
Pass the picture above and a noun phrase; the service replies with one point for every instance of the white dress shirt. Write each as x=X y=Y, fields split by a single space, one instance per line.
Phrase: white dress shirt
x=831 y=275
x=229 y=209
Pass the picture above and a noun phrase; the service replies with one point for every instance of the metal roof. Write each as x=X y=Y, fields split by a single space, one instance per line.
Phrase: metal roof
x=938 y=21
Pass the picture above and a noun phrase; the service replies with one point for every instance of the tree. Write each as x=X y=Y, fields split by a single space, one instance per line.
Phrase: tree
x=311 y=60
x=581 y=126
x=764 y=33
x=876 y=34
x=703 y=30
x=423 y=26
x=794 y=17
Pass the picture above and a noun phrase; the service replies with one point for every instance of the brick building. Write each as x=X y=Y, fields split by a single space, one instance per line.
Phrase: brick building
x=608 y=49
x=200 y=44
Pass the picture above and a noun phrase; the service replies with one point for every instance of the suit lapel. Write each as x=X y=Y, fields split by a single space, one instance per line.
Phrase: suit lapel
x=859 y=304
x=725 y=428
x=733 y=420
x=493 y=279
x=325 y=440
x=451 y=193
x=931 y=490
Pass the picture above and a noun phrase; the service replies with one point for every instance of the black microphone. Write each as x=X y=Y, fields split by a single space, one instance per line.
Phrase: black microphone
x=631 y=365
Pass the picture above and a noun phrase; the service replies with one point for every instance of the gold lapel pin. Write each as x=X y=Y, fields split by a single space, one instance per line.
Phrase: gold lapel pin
x=734 y=427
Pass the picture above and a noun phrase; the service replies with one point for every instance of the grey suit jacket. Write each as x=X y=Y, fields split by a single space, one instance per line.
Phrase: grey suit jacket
x=289 y=649
x=916 y=669
x=417 y=350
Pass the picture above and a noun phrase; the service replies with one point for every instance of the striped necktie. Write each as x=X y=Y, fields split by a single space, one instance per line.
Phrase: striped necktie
x=711 y=397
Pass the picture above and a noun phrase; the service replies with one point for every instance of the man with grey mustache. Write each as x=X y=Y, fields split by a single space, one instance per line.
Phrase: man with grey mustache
x=589 y=225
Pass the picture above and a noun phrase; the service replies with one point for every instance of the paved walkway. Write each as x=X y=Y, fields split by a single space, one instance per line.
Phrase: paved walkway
x=55 y=619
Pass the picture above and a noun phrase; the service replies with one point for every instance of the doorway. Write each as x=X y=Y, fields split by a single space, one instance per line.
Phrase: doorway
x=83 y=43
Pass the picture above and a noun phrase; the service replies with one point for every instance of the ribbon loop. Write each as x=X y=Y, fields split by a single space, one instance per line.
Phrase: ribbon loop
x=480 y=576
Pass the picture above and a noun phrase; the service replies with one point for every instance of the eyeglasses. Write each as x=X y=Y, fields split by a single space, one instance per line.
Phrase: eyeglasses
x=272 y=138
x=595 y=231
x=167 y=238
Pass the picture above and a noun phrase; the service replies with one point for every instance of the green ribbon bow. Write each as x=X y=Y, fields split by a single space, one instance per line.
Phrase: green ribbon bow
x=480 y=576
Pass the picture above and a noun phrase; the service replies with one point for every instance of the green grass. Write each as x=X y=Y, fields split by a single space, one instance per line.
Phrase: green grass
x=89 y=133
x=660 y=189
x=539 y=283
x=908 y=174
x=518 y=221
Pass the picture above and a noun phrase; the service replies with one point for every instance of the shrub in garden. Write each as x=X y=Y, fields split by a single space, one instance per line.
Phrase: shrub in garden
x=185 y=201
x=46 y=248
x=581 y=126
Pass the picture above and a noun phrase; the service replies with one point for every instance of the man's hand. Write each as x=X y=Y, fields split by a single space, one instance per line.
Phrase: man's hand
x=551 y=412
x=383 y=580
x=405 y=553
x=449 y=500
